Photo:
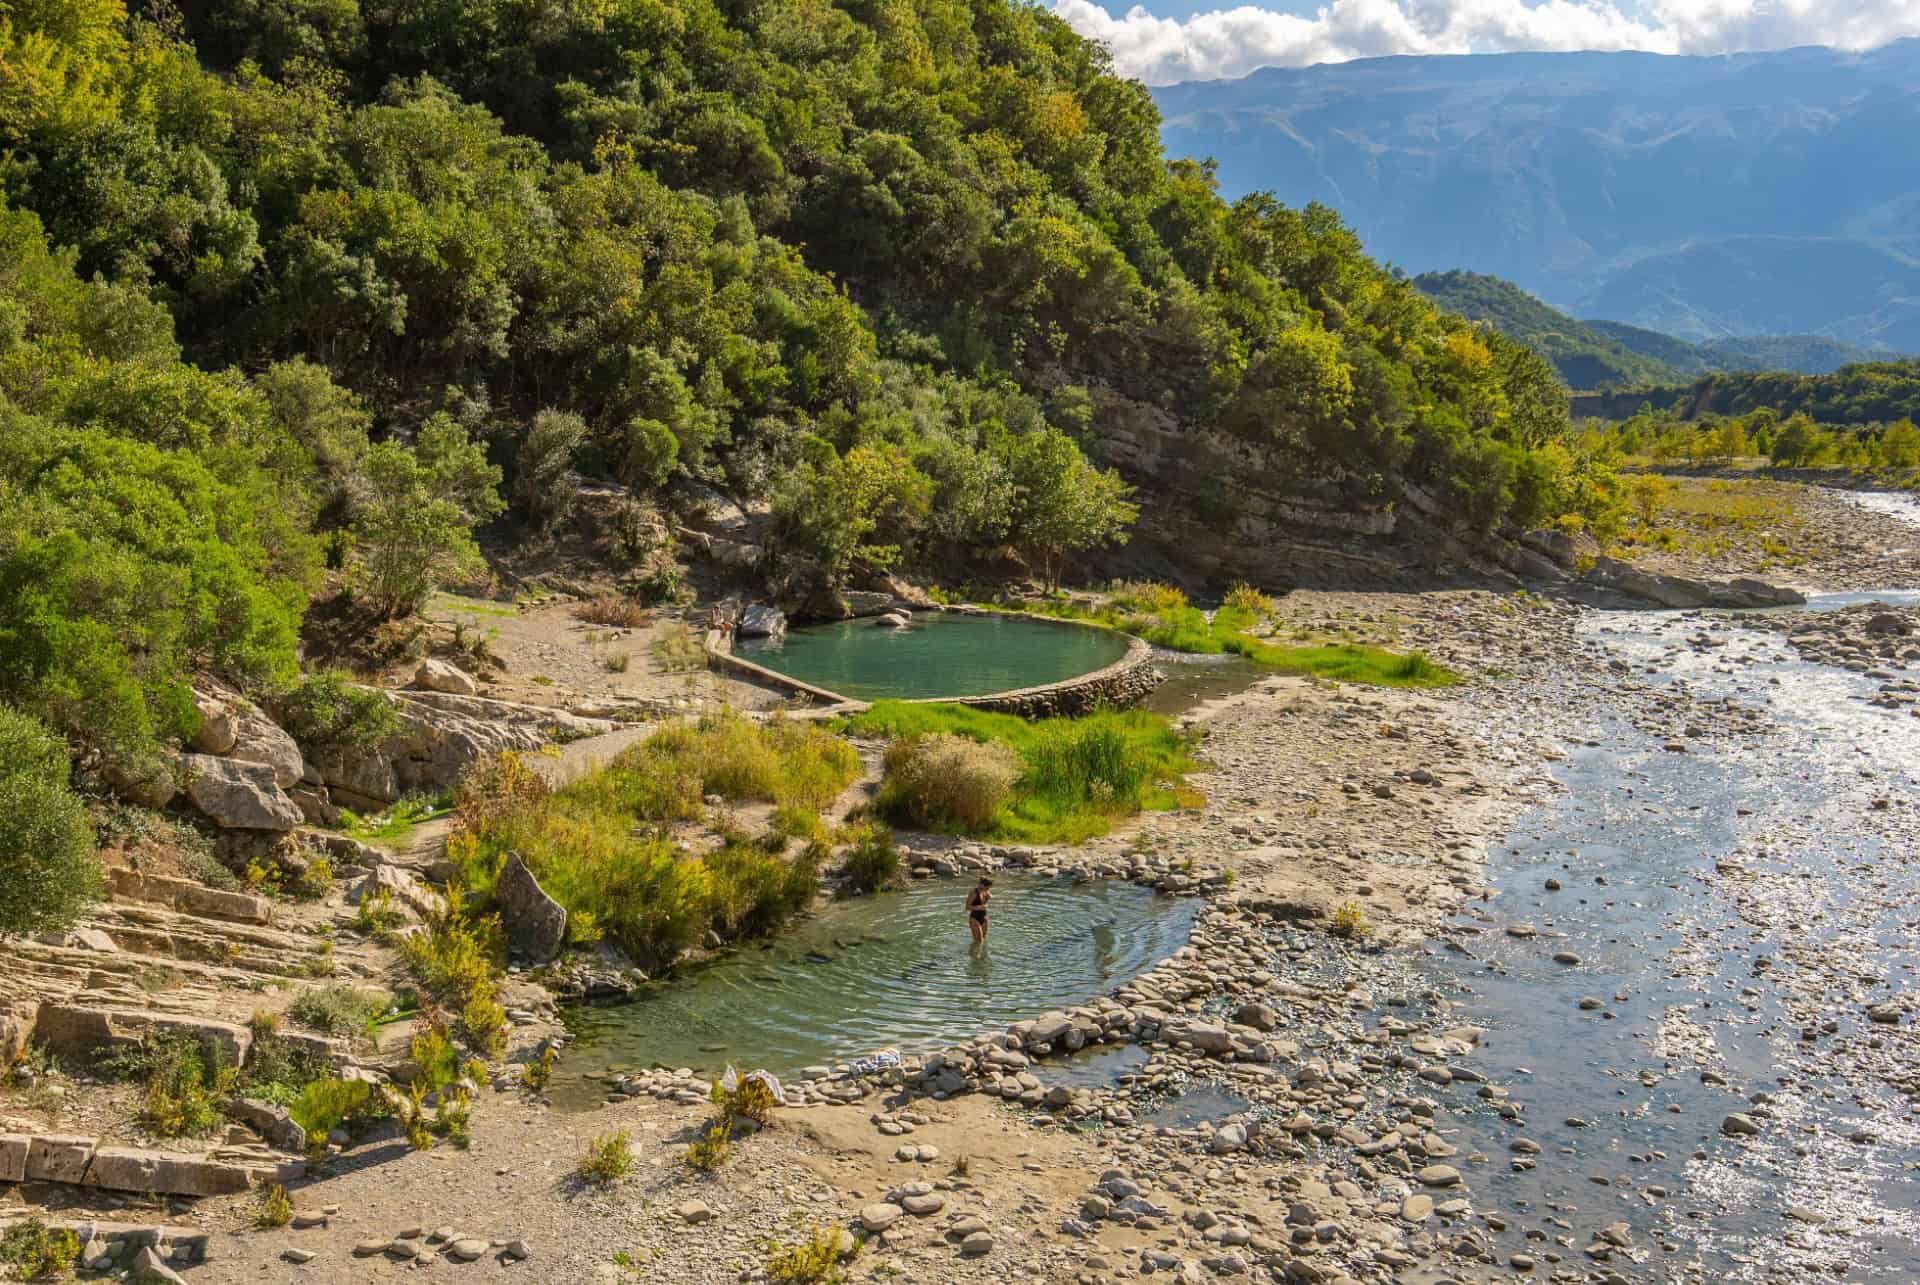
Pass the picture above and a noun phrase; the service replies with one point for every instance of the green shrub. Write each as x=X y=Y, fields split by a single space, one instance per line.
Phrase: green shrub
x=814 y=1261
x=186 y=1078
x=276 y=1070
x=35 y=1251
x=947 y=782
x=483 y=1023
x=712 y=1148
x=431 y=1051
x=415 y=529
x=330 y=711
x=749 y=1099
x=538 y=1071
x=544 y=481
x=276 y=1207
x=872 y=862
x=1349 y=921
x=48 y=872
x=341 y=1010
x=124 y=568
x=753 y=891
x=414 y=1125
x=326 y=1105
x=608 y=1159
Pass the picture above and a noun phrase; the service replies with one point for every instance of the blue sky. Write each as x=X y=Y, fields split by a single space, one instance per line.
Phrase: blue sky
x=1163 y=41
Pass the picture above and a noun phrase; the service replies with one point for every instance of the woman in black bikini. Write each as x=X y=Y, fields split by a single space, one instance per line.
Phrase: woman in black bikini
x=977 y=909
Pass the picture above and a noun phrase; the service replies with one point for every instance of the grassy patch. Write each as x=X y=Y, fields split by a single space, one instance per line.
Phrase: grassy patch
x=677 y=649
x=599 y=845
x=397 y=824
x=1161 y=615
x=341 y=1010
x=1076 y=776
x=1752 y=519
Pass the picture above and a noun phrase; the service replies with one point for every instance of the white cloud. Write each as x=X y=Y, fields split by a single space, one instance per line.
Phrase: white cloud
x=1233 y=42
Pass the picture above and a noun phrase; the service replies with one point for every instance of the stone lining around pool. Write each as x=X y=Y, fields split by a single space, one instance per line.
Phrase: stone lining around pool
x=1122 y=681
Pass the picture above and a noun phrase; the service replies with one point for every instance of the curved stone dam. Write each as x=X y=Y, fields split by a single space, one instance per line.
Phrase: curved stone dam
x=938 y=654
x=897 y=969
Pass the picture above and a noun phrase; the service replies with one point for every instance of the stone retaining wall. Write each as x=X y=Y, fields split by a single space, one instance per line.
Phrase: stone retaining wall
x=721 y=657
x=1125 y=682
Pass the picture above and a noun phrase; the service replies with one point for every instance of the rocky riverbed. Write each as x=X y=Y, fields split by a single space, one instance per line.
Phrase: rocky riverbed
x=1628 y=993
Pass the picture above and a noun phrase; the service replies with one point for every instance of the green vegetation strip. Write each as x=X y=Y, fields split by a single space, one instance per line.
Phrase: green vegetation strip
x=1057 y=780
x=1161 y=615
x=600 y=846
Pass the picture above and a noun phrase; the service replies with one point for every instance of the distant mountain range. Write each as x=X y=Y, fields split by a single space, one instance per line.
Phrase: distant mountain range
x=1610 y=355
x=1704 y=198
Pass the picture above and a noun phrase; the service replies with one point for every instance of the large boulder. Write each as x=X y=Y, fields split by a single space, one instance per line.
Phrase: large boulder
x=411 y=897
x=239 y=795
x=219 y=728
x=258 y=739
x=762 y=621
x=1679 y=592
x=441 y=676
x=441 y=735
x=536 y=924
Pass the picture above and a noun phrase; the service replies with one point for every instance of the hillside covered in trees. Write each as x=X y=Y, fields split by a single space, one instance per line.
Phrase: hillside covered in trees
x=1585 y=358
x=293 y=297
x=1600 y=355
x=1853 y=396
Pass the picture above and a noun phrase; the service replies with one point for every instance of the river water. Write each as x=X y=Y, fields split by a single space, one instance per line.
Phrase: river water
x=1738 y=861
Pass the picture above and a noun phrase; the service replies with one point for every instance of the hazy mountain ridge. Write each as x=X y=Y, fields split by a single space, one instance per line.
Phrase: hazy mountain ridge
x=1594 y=355
x=1701 y=197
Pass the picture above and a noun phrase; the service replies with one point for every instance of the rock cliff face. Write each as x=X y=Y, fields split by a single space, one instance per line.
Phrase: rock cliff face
x=1226 y=508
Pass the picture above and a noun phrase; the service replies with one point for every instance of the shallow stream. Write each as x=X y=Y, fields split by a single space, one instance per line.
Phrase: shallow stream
x=1734 y=906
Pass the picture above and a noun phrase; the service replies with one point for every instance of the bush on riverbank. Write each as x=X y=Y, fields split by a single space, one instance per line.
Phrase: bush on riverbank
x=1075 y=775
x=944 y=781
x=598 y=845
x=1161 y=615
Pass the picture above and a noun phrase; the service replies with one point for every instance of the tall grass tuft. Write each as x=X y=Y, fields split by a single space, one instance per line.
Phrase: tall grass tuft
x=1075 y=775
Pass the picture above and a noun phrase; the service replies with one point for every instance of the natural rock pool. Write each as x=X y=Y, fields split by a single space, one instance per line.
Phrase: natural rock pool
x=939 y=654
x=892 y=970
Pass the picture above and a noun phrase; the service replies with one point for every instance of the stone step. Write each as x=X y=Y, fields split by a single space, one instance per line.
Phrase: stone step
x=81 y=1161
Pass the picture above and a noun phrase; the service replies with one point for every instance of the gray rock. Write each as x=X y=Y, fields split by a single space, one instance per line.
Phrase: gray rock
x=762 y=621
x=1228 y=1138
x=467 y=1249
x=440 y=676
x=977 y=1243
x=218 y=729
x=1740 y=1125
x=536 y=924
x=258 y=739
x=1258 y=1016
x=149 y=1266
x=693 y=1211
x=239 y=795
x=880 y=1216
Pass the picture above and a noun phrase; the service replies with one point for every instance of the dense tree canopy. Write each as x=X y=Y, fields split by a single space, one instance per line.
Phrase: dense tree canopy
x=275 y=267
